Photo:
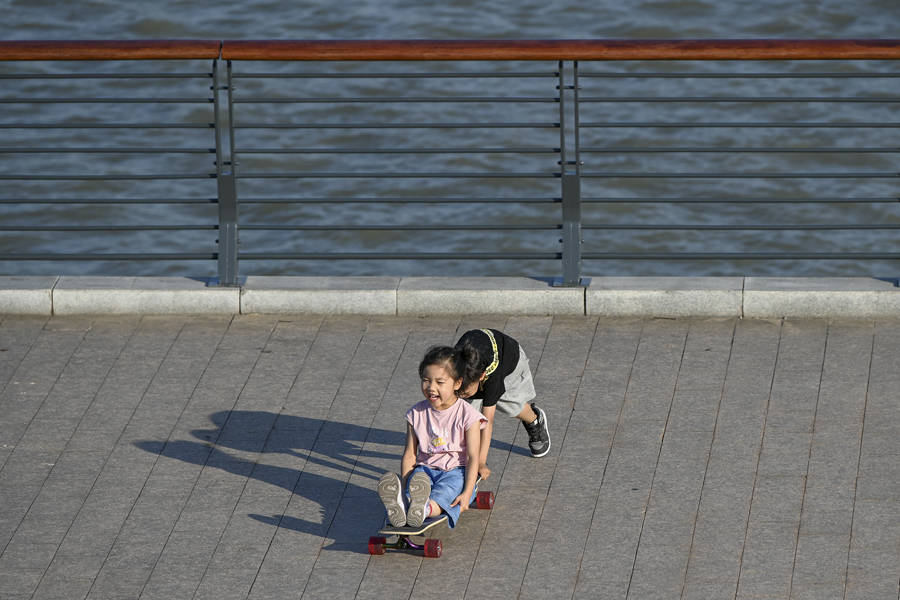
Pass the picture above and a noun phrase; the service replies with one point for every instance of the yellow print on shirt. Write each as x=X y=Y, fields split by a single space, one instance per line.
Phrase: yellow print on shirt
x=440 y=440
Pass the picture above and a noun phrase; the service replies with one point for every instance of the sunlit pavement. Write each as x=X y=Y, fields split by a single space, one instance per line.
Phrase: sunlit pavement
x=237 y=457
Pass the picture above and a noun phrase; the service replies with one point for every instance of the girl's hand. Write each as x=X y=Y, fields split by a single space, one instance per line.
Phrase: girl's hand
x=484 y=471
x=463 y=501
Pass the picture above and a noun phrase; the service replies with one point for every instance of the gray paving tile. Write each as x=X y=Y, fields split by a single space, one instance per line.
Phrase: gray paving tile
x=19 y=583
x=717 y=548
x=590 y=586
x=766 y=564
x=872 y=572
x=704 y=590
x=821 y=559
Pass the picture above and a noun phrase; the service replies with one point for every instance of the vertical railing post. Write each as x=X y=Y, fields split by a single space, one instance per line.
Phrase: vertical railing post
x=225 y=178
x=570 y=173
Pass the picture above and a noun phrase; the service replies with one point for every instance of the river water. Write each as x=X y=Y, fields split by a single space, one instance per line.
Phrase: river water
x=504 y=19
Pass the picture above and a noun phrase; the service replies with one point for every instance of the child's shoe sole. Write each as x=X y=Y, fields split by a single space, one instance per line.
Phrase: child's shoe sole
x=419 y=493
x=390 y=491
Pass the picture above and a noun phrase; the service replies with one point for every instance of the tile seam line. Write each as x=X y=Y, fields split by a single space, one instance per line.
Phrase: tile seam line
x=312 y=343
x=265 y=444
x=194 y=484
x=550 y=485
x=605 y=464
x=712 y=442
x=206 y=463
x=356 y=462
x=809 y=461
x=858 y=461
x=50 y=472
x=131 y=509
x=334 y=399
x=156 y=462
x=612 y=441
x=456 y=335
x=659 y=452
x=762 y=437
x=31 y=420
x=13 y=371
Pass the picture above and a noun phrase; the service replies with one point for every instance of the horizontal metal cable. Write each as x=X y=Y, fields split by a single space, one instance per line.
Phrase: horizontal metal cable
x=395 y=175
x=750 y=227
x=726 y=150
x=395 y=75
x=126 y=100
x=83 y=177
x=72 y=256
x=44 y=200
x=586 y=73
x=397 y=255
x=722 y=200
x=759 y=99
x=399 y=200
x=365 y=125
x=441 y=227
x=555 y=226
x=14 y=76
x=107 y=125
x=351 y=150
x=399 y=100
x=735 y=175
x=740 y=255
x=58 y=228
x=738 y=124
x=96 y=150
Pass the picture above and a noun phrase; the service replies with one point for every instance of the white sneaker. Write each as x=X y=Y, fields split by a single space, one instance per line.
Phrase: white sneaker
x=419 y=493
x=391 y=493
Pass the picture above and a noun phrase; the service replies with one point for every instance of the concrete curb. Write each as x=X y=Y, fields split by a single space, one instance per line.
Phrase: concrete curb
x=752 y=297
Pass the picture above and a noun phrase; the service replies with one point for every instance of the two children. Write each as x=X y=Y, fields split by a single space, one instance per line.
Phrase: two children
x=444 y=434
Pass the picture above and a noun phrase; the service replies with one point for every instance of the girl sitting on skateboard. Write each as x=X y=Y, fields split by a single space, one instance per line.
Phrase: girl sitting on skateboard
x=442 y=437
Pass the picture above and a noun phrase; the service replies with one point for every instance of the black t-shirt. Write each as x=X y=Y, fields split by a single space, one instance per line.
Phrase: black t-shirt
x=493 y=387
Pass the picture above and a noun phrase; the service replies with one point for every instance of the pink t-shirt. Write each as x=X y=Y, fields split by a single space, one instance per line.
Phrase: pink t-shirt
x=442 y=433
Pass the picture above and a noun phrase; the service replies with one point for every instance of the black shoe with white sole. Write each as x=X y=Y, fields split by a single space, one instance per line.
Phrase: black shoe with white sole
x=538 y=433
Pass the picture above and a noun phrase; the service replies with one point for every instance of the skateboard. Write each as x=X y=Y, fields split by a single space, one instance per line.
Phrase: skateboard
x=409 y=538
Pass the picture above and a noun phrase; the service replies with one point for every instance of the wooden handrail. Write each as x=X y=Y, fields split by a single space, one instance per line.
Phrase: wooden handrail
x=561 y=49
x=109 y=50
x=439 y=50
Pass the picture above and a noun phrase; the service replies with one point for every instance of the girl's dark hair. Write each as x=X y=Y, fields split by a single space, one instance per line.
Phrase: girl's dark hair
x=445 y=356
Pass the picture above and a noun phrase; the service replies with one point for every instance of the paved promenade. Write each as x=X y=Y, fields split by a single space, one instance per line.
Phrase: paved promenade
x=236 y=456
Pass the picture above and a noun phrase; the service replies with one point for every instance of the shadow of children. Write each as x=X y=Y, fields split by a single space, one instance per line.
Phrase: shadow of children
x=316 y=460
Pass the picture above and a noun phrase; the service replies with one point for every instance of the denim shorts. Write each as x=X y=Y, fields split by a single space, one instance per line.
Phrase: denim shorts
x=445 y=487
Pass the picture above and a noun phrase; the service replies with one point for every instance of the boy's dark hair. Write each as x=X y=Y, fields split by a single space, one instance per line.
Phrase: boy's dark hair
x=473 y=362
x=446 y=356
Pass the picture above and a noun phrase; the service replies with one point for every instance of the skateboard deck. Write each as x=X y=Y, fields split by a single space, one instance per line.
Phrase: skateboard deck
x=408 y=538
x=409 y=530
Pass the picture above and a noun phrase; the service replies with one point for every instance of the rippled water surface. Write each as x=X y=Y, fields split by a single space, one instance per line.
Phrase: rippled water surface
x=390 y=19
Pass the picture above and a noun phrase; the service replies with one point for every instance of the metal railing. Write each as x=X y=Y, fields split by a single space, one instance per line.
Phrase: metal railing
x=526 y=151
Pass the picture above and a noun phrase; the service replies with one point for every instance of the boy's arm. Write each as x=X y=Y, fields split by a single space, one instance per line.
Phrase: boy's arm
x=485 y=445
x=408 y=460
x=473 y=441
